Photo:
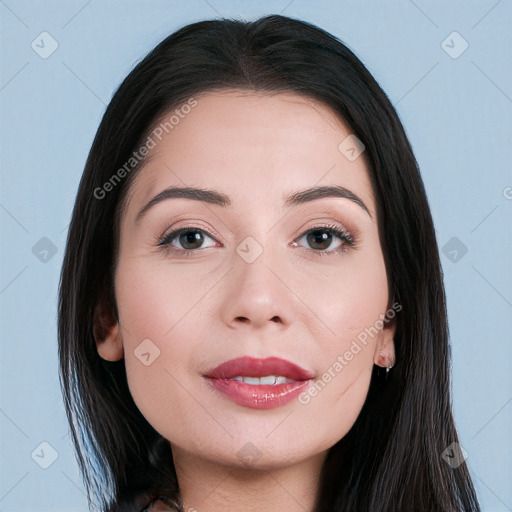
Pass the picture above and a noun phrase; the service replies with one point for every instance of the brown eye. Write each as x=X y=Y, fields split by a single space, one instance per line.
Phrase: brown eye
x=320 y=239
x=189 y=239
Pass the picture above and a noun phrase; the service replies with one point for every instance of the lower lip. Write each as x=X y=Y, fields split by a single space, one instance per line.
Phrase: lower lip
x=259 y=396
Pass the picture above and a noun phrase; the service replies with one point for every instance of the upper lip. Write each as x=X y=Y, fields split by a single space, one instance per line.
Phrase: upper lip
x=253 y=367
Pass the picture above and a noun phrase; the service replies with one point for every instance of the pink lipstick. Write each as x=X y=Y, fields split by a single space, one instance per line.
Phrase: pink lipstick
x=259 y=383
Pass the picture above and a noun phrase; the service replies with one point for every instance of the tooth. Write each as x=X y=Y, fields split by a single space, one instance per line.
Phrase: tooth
x=251 y=380
x=268 y=380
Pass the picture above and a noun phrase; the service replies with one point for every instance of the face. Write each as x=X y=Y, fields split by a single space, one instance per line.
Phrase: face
x=267 y=274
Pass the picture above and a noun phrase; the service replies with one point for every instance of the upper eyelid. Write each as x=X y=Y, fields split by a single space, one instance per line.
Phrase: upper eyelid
x=173 y=234
x=327 y=213
x=177 y=231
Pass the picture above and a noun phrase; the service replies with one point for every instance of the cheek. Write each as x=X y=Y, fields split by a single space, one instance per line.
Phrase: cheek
x=348 y=298
x=350 y=308
x=159 y=338
x=156 y=300
x=345 y=305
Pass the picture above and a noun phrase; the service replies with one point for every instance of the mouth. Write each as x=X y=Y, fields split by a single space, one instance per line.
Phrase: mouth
x=259 y=383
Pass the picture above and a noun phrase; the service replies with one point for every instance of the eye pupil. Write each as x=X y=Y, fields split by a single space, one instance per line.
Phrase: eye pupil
x=191 y=237
x=319 y=236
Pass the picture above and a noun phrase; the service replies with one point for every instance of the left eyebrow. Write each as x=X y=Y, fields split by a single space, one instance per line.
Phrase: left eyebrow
x=311 y=194
x=220 y=199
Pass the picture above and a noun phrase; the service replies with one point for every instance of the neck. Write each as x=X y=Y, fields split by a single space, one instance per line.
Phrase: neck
x=209 y=487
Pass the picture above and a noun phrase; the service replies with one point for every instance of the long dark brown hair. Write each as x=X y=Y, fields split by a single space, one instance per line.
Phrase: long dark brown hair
x=391 y=460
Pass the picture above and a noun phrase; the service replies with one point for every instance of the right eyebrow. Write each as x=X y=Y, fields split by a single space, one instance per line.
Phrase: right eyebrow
x=197 y=194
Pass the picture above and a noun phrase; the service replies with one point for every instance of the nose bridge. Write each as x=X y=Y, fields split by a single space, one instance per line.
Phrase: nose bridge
x=256 y=292
x=259 y=244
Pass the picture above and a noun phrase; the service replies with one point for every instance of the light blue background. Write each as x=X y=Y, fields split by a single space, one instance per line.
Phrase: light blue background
x=457 y=114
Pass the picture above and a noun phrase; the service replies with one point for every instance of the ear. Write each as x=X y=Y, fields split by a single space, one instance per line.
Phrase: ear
x=106 y=333
x=385 y=348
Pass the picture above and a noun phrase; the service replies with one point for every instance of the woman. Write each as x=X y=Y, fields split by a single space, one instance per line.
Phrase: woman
x=252 y=313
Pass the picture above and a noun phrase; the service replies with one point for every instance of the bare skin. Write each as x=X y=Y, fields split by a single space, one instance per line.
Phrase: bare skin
x=213 y=305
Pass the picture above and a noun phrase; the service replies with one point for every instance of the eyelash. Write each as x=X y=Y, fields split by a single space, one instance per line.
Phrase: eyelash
x=340 y=233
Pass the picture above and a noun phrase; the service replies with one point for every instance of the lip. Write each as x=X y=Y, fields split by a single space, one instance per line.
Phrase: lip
x=259 y=396
x=253 y=367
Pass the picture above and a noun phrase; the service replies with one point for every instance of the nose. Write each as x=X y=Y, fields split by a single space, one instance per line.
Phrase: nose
x=256 y=295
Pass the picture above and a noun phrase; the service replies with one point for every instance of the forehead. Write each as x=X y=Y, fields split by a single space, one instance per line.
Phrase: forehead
x=252 y=146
